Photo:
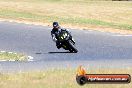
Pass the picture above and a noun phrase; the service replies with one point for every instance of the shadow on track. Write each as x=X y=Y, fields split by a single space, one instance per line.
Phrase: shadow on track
x=58 y=52
x=53 y=52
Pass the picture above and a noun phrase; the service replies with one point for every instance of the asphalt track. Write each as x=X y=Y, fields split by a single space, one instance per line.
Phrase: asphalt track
x=96 y=49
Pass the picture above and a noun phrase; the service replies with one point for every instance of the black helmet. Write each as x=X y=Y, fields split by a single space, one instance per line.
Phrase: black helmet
x=55 y=24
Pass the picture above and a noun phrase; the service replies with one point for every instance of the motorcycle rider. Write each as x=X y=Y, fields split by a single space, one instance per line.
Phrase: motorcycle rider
x=55 y=32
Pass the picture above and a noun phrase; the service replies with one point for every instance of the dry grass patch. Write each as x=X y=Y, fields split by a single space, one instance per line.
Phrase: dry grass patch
x=11 y=56
x=82 y=13
x=57 y=78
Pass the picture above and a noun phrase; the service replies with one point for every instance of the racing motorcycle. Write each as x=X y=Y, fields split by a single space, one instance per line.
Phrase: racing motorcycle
x=66 y=42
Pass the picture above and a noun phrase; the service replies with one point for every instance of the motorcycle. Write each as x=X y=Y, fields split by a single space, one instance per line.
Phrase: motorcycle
x=66 y=42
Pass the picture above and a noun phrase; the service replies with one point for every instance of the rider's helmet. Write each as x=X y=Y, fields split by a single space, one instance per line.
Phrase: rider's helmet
x=55 y=25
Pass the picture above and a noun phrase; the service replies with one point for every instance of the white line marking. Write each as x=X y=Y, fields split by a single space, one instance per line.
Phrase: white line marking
x=2 y=51
x=10 y=60
x=6 y=60
x=30 y=58
x=10 y=52
x=2 y=60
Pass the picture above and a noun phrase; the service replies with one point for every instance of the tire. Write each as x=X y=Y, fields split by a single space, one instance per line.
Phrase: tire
x=72 y=48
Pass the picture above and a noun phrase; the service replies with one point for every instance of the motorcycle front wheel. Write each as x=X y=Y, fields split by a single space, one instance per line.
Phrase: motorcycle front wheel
x=72 y=49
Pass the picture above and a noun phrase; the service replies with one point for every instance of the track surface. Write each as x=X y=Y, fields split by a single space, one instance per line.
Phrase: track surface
x=96 y=49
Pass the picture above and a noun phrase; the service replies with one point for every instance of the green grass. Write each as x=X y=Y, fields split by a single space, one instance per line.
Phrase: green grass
x=83 y=13
x=57 y=78
x=10 y=56
x=63 y=20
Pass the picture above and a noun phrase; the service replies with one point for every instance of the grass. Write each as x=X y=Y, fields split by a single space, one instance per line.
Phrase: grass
x=57 y=78
x=10 y=56
x=81 y=13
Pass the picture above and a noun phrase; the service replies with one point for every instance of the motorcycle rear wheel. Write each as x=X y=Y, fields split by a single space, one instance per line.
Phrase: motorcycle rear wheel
x=72 y=49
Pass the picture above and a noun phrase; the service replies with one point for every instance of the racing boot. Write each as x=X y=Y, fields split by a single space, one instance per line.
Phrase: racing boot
x=58 y=45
